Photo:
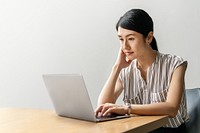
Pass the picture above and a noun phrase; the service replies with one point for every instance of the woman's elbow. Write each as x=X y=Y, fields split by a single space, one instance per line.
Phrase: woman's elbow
x=173 y=112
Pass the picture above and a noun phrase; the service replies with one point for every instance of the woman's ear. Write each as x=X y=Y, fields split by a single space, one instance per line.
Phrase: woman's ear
x=149 y=37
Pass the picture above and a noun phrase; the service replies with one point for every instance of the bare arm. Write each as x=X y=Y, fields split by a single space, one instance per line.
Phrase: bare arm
x=112 y=88
x=170 y=107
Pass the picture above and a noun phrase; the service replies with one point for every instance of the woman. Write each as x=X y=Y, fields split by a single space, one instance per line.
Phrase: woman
x=153 y=83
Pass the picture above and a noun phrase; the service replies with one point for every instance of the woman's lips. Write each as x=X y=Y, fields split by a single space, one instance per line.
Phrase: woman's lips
x=128 y=53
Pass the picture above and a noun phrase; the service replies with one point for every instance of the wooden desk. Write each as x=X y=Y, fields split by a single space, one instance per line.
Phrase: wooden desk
x=46 y=121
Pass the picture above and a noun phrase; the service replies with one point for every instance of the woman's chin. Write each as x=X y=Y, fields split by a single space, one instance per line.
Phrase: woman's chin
x=129 y=58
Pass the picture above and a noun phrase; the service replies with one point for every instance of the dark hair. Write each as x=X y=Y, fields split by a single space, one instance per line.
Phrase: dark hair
x=138 y=20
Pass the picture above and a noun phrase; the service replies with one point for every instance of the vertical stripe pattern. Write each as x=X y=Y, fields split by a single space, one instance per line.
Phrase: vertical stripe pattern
x=155 y=88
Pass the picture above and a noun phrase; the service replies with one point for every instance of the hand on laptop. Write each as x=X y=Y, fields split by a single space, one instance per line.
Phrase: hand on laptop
x=109 y=108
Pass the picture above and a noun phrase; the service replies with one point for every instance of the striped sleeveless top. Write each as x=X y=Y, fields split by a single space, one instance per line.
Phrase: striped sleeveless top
x=154 y=90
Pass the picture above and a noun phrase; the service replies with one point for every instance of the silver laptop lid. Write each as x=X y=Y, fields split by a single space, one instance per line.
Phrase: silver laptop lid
x=69 y=96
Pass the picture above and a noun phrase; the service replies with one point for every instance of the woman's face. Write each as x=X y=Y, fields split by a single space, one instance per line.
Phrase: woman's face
x=132 y=43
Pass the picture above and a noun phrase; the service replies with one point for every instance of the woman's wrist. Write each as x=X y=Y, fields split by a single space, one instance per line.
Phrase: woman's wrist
x=128 y=108
x=117 y=68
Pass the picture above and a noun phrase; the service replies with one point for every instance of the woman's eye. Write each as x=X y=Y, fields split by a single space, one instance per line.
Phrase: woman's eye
x=131 y=39
x=120 y=39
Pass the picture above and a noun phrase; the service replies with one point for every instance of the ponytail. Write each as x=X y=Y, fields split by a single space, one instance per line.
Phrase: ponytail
x=153 y=44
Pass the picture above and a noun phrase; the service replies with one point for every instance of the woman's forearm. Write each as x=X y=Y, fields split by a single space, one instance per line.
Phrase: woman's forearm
x=163 y=108
x=108 y=94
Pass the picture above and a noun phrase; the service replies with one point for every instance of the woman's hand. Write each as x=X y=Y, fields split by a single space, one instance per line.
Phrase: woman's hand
x=122 y=60
x=109 y=108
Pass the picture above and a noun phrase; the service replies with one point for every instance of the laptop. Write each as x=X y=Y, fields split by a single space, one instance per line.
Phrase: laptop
x=71 y=99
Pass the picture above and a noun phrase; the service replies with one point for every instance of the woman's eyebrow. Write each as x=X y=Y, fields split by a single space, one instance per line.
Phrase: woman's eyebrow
x=119 y=35
x=132 y=34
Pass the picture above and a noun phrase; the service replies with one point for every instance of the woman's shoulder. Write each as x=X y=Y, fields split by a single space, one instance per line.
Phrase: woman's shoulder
x=164 y=56
x=171 y=59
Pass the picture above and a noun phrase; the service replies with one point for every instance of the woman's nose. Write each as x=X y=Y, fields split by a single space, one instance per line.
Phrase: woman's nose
x=125 y=45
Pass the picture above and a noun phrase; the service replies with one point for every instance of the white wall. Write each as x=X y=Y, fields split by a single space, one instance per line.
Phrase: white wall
x=75 y=36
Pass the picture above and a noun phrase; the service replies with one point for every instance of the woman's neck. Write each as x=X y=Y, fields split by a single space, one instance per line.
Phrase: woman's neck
x=146 y=59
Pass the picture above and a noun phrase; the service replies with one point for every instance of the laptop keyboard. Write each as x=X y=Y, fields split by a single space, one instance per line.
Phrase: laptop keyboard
x=106 y=117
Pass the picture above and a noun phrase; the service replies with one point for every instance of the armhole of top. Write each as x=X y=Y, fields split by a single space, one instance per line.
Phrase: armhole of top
x=184 y=63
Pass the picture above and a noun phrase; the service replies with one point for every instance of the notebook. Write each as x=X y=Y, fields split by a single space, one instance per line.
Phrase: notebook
x=71 y=99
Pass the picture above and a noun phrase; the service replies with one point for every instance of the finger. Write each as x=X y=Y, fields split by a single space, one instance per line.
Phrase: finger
x=122 y=53
x=109 y=111
x=98 y=110
x=106 y=107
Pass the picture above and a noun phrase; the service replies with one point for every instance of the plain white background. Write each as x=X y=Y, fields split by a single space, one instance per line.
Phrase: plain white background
x=75 y=36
